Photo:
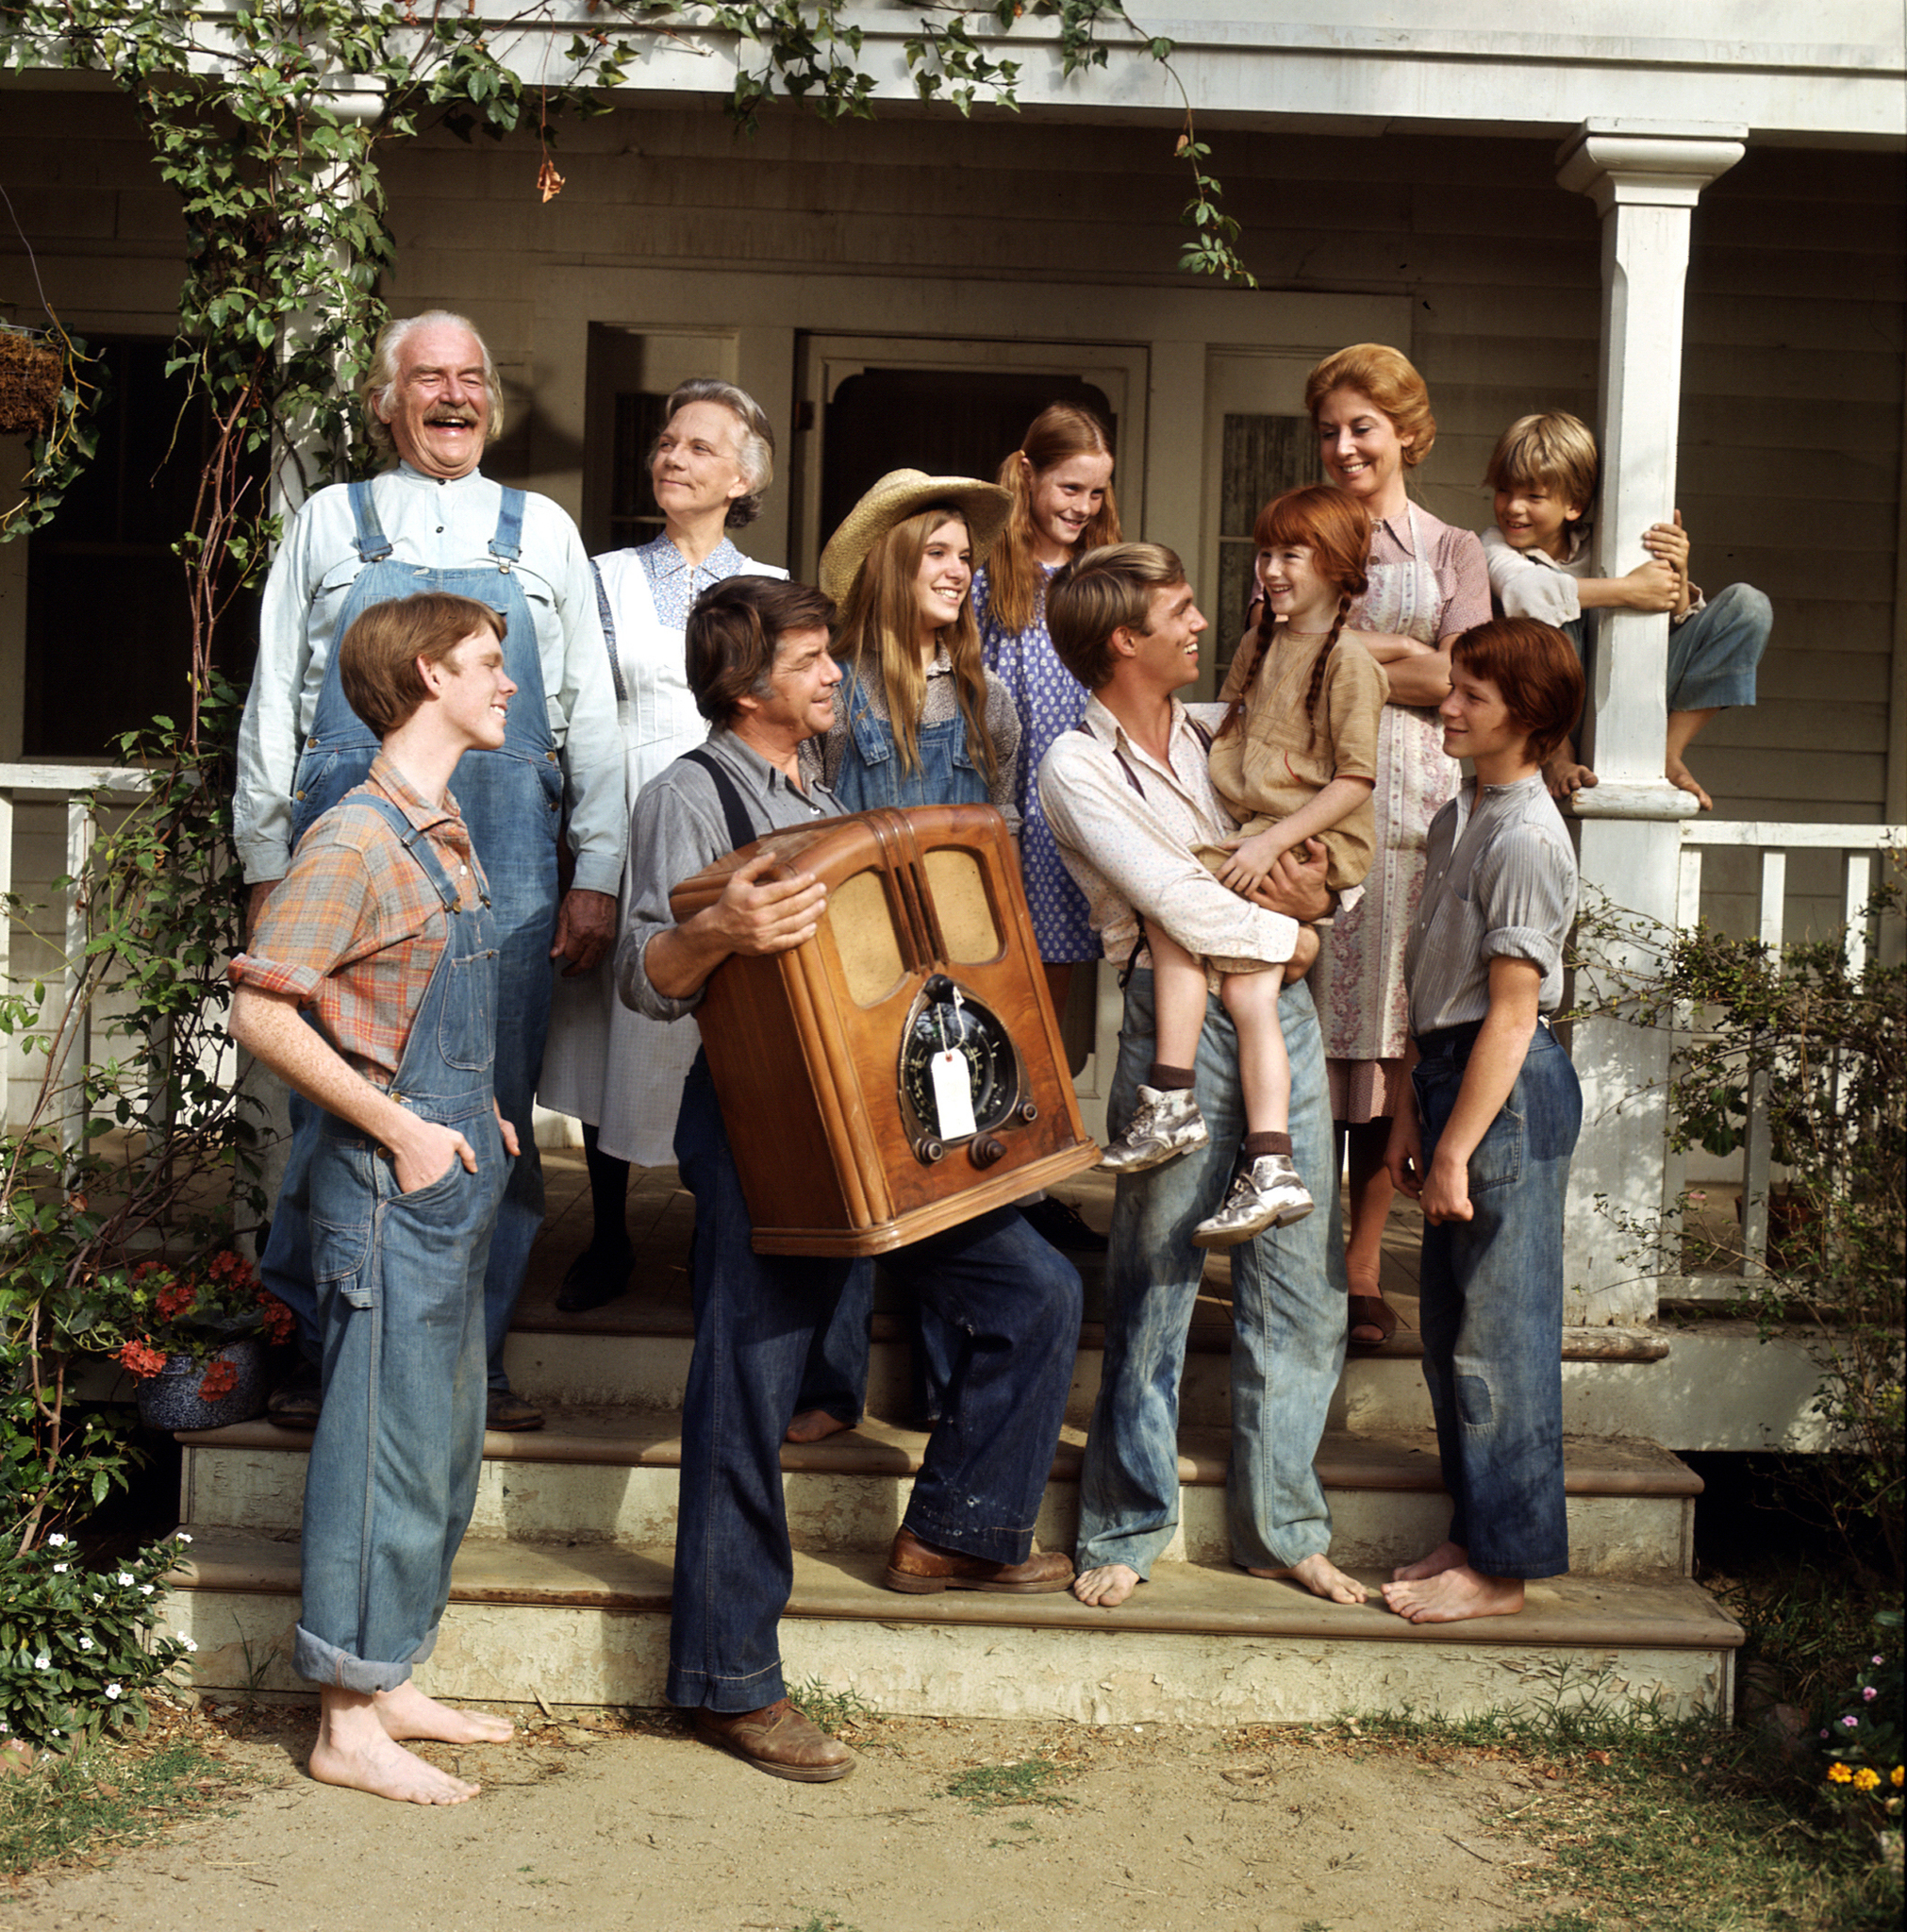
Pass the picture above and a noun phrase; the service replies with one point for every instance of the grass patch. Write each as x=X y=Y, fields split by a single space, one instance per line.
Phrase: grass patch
x=832 y=1710
x=114 y=1794
x=826 y=1922
x=988 y=1787
x=1655 y=1824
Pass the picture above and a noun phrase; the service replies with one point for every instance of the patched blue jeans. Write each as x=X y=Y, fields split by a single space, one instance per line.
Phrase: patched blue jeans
x=1012 y=1301
x=1492 y=1309
x=1287 y=1313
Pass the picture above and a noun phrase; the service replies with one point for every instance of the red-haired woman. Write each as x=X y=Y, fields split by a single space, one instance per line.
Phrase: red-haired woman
x=1060 y=480
x=1428 y=583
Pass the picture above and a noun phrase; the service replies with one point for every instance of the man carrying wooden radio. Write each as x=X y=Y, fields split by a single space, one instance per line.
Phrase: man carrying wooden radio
x=759 y=667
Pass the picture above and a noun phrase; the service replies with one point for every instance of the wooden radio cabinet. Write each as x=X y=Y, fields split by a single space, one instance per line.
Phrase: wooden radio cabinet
x=901 y=1070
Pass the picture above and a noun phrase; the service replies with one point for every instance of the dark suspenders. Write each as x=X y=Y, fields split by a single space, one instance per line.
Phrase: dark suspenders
x=741 y=829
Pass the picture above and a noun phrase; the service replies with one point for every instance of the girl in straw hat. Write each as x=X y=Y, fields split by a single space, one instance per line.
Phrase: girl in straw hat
x=918 y=721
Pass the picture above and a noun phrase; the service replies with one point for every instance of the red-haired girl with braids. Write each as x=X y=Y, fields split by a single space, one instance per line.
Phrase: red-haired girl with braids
x=1296 y=758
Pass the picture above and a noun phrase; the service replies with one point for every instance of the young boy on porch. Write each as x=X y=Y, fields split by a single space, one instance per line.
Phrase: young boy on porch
x=1543 y=472
x=1488 y=1123
x=381 y=933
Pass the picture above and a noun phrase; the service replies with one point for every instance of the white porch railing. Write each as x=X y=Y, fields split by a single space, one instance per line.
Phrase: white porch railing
x=1858 y=846
x=66 y=933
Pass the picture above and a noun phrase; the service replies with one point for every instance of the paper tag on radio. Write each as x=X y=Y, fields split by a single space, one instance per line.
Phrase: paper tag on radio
x=952 y=1095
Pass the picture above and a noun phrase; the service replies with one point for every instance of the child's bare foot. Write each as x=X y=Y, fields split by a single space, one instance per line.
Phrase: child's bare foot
x=1445 y=1556
x=1567 y=778
x=1323 y=1577
x=815 y=1426
x=1107 y=1587
x=407 y=1712
x=1455 y=1596
x=1684 y=779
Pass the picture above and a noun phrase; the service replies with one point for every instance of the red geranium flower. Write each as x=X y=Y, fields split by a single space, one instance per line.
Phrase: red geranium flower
x=221 y=1378
x=141 y=1358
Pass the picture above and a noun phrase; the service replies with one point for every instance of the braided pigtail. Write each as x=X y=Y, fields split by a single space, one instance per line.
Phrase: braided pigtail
x=1319 y=663
x=1267 y=625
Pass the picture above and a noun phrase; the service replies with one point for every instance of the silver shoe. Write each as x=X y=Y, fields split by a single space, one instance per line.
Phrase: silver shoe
x=1266 y=1193
x=1164 y=1125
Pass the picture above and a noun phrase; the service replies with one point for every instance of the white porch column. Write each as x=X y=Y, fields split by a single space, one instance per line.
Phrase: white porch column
x=1645 y=180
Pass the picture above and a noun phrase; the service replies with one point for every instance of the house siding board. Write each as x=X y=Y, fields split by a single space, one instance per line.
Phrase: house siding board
x=1796 y=309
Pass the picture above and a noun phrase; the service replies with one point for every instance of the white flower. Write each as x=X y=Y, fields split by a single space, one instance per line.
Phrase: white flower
x=127 y=1578
x=97 y=1598
x=86 y=1643
x=111 y=1692
x=56 y=1541
x=60 y=1569
x=145 y=1589
x=182 y=1538
x=189 y=1645
x=42 y=1662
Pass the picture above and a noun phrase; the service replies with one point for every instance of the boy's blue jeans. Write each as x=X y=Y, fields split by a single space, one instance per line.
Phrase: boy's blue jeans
x=1288 y=1315
x=1012 y=1299
x=1712 y=655
x=1492 y=1309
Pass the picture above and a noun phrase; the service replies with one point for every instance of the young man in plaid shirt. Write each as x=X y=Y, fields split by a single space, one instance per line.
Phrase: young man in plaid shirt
x=381 y=938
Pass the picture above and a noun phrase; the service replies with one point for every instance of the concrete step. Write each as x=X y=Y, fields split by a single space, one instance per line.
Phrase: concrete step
x=642 y=1359
x=1198 y=1644
x=609 y=1475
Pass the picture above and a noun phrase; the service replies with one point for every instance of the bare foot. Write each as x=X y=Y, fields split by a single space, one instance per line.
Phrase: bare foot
x=407 y=1712
x=1454 y=1597
x=1323 y=1577
x=1445 y=1556
x=1684 y=779
x=1107 y=1587
x=815 y=1426
x=354 y=1750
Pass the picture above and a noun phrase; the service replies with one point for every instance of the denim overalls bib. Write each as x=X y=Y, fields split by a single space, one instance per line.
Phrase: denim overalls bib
x=511 y=797
x=394 y=1464
x=871 y=773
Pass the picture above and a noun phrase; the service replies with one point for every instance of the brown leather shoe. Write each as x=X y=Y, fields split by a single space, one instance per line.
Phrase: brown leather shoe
x=924 y=1568
x=779 y=1739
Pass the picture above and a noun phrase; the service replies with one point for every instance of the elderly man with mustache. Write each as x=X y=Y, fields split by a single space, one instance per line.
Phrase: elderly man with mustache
x=433 y=522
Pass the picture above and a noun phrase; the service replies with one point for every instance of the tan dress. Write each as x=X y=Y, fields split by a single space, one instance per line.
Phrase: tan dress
x=1272 y=763
x=1426 y=580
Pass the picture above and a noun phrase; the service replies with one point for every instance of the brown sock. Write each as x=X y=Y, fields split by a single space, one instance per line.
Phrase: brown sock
x=1165 y=1080
x=1258 y=1144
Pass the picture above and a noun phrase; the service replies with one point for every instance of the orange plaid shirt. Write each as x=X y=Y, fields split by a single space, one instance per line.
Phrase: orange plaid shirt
x=355 y=929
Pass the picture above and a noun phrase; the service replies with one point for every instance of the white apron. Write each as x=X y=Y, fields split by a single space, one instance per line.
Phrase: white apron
x=617 y=1070
x=1358 y=981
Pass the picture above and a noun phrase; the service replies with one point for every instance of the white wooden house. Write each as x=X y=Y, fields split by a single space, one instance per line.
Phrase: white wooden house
x=1686 y=228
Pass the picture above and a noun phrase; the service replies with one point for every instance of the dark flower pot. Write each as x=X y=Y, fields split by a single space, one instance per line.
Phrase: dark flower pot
x=171 y=1399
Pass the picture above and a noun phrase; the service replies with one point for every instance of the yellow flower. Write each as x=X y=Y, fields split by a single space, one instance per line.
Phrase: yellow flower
x=1839 y=1774
x=1864 y=1780
x=1896 y=1779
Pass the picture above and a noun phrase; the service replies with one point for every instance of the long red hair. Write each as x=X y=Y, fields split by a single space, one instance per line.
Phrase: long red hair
x=1013 y=580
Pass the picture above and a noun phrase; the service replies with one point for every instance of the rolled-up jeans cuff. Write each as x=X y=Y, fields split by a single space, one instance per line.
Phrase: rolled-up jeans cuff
x=990 y=1543
x=323 y=1663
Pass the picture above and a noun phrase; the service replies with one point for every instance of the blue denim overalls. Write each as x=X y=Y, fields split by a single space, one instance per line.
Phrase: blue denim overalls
x=872 y=775
x=511 y=802
x=394 y=1464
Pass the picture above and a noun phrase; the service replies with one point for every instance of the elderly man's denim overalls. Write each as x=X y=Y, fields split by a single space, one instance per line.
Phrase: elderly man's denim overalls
x=394 y=1464
x=871 y=773
x=511 y=801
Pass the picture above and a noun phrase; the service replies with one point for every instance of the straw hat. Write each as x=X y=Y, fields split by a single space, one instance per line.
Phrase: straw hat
x=903 y=493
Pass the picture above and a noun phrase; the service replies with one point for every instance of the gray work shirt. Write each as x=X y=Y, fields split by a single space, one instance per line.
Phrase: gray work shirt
x=1499 y=883
x=678 y=828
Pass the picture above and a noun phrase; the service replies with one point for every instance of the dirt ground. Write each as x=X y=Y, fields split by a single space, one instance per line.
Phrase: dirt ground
x=626 y=1821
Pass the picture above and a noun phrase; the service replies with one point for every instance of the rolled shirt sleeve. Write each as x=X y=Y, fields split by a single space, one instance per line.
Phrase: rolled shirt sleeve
x=1525 y=886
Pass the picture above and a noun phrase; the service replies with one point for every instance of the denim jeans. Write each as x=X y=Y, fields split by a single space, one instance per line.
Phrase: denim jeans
x=1288 y=1312
x=1712 y=655
x=1492 y=1310
x=835 y=1379
x=1014 y=1301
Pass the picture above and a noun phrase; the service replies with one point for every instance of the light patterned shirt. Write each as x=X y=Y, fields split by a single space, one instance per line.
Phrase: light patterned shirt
x=1130 y=850
x=355 y=928
x=1499 y=883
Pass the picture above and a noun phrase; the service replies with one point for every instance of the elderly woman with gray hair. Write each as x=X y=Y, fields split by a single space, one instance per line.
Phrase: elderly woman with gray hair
x=616 y=1070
